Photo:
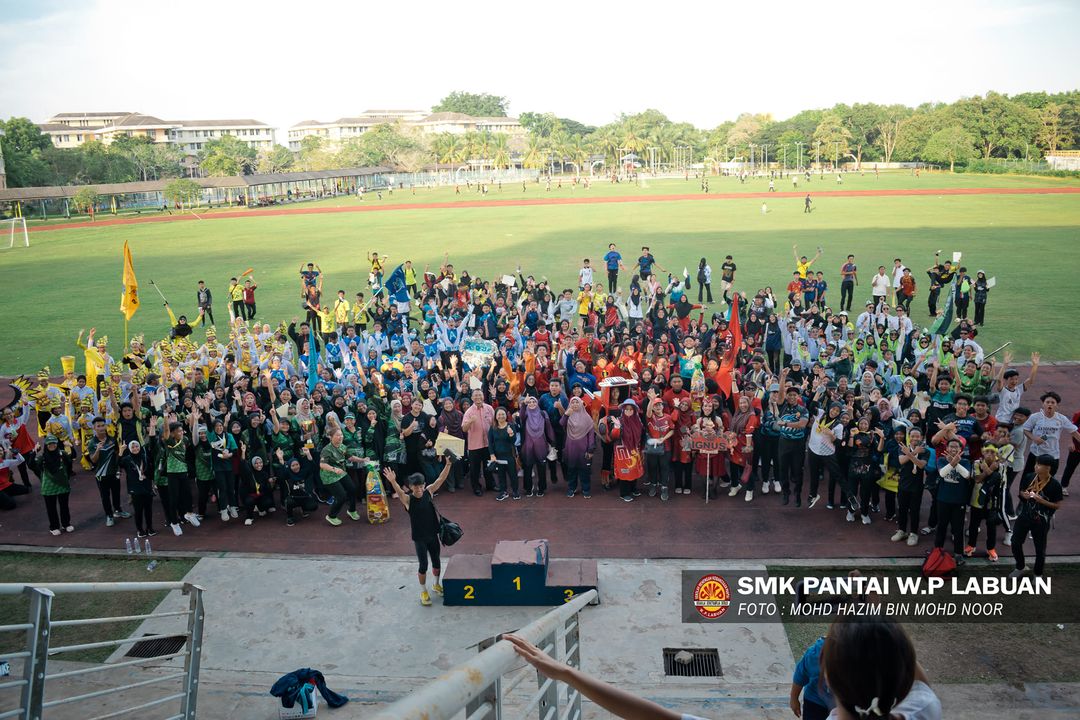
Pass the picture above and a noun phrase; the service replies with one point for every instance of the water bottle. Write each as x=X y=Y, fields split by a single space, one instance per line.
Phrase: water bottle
x=148 y=551
x=138 y=547
x=127 y=546
x=153 y=564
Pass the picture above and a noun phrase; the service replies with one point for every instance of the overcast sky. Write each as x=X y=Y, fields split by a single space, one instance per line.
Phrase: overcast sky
x=702 y=62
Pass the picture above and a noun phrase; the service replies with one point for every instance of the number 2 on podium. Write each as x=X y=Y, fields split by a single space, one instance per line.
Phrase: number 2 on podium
x=469 y=589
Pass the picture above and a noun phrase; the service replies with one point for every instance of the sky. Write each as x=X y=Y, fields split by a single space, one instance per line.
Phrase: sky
x=590 y=60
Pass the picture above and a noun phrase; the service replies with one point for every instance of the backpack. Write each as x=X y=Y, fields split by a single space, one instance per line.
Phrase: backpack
x=939 y=563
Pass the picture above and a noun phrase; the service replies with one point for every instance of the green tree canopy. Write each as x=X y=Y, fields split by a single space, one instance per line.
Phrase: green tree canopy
x=475 y=104
x=227 y=155
x=950 y=145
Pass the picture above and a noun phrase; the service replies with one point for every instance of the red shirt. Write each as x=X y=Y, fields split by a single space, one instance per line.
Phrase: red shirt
x=672 y=398
x=249 y=294
x=658 y=427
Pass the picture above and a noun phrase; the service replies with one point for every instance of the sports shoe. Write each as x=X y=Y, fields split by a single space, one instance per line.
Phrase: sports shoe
x=54 y=532
x=586 y=495
x=637 y=493
x=776 y=486
x=749 y=495
x=898 y=536
x=516 y=496
x=122 y=514
x=193 y=519
x=425 y=599
x=926 y=530
x=249 y=521
x=686 y=491
x=652 y=489
x=290 y=521
x=1065 y=492
x=333 y=520
x=865 y=519
x=176 y=529
x=233 y=512
x=1020 y=572
x=1008 y=538
x=724 y=483
x=850 y=516
x=151 y=532
x=532 y=493
x=571 y=493
x=733 y=491
x=437 y=588
x=225 y=515
x=663 y=494
x=140 y=534
x=353 y=515
x=992 y=555
x=969 y=551
x=830 y=506
x=540 y=494
x=628 y=499
x=812 y=501
x=765 y=488
x=959 y=559
x=501 y=496
x=912 y=539
x=109 y=521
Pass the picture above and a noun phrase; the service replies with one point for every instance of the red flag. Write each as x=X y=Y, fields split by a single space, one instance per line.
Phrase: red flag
x=727 y=364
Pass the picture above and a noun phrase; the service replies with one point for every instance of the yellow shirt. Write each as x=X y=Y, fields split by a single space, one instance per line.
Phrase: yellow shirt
x=341 y=311
x=326 y=318
x=236 y=293
x=802 y=267
x=360 y=314
x=410 y=276
x=584 y=300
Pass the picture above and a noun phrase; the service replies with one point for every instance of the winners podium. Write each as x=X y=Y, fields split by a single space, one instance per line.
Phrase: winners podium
x=519 y=572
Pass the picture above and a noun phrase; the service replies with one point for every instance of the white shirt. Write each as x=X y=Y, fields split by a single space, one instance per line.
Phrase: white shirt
x=1049 y=427
x=880 y=283
x=897 y=273
x=585 y=276
x=920 y=704
x=1009 y=400
x=818 y=443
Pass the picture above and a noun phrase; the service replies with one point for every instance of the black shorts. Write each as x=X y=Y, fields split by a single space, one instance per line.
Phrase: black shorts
x=424 y=548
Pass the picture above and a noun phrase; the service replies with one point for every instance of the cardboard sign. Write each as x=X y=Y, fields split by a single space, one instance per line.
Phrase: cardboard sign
x=956 y=257
x=509 y=280
x=991 y=282
x=447 y=442
x=701 y=442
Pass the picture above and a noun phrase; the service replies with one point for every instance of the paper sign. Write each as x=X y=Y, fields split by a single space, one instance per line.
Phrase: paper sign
x=956 y=257
x=474 y=383
x=991 y=282
x=428 y=407
x=157 y=400
x=283 y=411
x=509 y=280
x=448 y=442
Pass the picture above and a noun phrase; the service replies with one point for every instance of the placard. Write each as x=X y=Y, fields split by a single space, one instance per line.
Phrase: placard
x=710 y=443
x=509 y=280
x=956 y=257
x=991 y=282
x=446 y=442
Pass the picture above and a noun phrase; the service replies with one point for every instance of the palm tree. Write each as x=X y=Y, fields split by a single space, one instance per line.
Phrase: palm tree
x=535 y=152
x=500 y=145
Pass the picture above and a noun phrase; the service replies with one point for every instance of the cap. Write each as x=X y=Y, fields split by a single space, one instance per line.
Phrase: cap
x=775 y=387
x=50 y=438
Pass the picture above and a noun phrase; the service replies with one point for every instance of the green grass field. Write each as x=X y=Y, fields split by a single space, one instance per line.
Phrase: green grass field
x=70 y=279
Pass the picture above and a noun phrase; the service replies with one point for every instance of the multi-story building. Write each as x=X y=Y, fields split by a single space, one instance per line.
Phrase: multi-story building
x=68 y=130
x=336 y=131
x=191 y=135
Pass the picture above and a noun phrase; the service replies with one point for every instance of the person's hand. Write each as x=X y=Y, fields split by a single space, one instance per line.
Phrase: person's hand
x=1035 y=358
x=390 y=475
x=536 y=657
x=795 y=707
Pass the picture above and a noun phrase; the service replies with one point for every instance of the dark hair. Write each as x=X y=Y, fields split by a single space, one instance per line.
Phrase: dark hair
x=1022 y=411
x=1050 y=394
x=97 y=420
x=965 y=398
x=1044 y=459
x=416 y=479
x=868 y=658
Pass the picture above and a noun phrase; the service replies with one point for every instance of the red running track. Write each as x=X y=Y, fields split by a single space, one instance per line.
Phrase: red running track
x=267 y=212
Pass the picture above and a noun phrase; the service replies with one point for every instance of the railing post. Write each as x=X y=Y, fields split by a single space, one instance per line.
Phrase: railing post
x=37 y=643
x=189 y=702
x=572 y=645
x=492 y=693
x=550 y=697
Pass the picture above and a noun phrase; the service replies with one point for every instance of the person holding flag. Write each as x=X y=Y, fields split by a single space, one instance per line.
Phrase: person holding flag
x=129 y=300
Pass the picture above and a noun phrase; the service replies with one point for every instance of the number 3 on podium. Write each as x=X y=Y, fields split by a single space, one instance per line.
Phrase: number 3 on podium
x=569 y=595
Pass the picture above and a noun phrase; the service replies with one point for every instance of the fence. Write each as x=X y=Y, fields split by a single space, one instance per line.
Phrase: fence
x=37 y=650
x=478 y=687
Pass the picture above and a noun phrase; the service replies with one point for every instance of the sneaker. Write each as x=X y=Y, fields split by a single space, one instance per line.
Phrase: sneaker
x=290 y=521
x=262 y=513
x=193 y=519
x=663 y=494
x=637 y=493
x=850 y=516
x=109 y=521
x=122 y=514
x=437 y=588
x=969 y=551
x=959 y=560
x=830 y=506
x=54 y=532
x=812 y=501
x=1008 y=538
x=776 y=486
x=353 y=515
x=586 y=495
x=532 y=493
x=749 y=495
x=865 y=519
x=225 y=515
x=501 y=496
x=272 y=509
x=628 y=499
x=1020 y=572
x=926 y=531
x=724 y=483
x=233 y=513
x=912 y=539
x=652 y=489
x=151 y=532
x=733 y=491
x=249 y=521
x=571 y=493
x=516 y=496
x=992 y=555
x=477 y=493
x=874 y=508
x=898 y=536
x=1065 y=492
x=176 y=529
x=425 y=599
x=765 y=488
x=140 y=534
x=686 y=491
x=540 y=494
x=333 y=520
x=890 y=518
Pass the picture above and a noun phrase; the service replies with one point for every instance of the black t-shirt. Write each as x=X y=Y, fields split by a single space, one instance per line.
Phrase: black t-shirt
x=1035 y=511
x=727 y=271
x=911 y=475
x=425 y=523
x=415 y=442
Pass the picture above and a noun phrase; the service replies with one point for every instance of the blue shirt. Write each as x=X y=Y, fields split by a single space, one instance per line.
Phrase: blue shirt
x=645 y=262
x=808 y=675
x=612 y=259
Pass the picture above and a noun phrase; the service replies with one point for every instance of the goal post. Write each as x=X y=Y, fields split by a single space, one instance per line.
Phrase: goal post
x=15 y=230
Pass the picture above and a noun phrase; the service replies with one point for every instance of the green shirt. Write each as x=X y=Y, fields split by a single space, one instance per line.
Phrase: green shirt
x=175 y=455
x=54 y=483
x=335 y=457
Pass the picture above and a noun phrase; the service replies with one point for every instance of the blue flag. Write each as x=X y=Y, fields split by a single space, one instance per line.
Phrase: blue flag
x=395 y=285
x=313 y=363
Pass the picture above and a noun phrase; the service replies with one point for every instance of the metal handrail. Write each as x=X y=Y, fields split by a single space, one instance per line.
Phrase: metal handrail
x=478 y=677
x=60 y=588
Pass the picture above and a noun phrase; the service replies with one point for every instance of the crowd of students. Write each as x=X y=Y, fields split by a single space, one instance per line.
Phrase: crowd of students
x=622 y=383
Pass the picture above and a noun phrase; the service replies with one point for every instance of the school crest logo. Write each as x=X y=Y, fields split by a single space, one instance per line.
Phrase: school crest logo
x=712 y=596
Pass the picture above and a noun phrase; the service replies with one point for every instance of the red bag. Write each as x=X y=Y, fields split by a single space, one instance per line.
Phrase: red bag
x=628 y=465
x=938 y=563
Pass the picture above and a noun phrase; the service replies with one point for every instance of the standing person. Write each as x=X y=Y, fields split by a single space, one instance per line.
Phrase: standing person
x=864 y=466
x=537 y=439
x=807 y=681
x=979 y=293
x=914 y=457
x=423 y=522
x=476 y=422
x=1043 y=431
x=953 y=494
x=1040 y=497
x=585 y=274
x=630 y=440
x=175 y=447
x=905 y=290
x=139 y=468
x=704 y=279
x=727 y=275
x=963 y=293
x=826 y=432
x=502 y=437
x=614 y=263
x=1073 y=459
x=51 y=464
x=660 y=428
x=986 y=501
x=802 y=265
x=334 y=472
x=879 y=285
x=249 y=298
x=580 y=444
x=897 y=273
x=791 y=421
x=646 y=262
x=806 y=205
x=236 y=298
x=205 y=300
x=849 y=278
x=102 y=452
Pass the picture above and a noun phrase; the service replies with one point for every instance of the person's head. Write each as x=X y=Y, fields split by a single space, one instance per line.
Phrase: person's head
x=963 y=404
x=1044 y=464
x=611 y=246
x=555 y=387
x=176 y=430
x=1050 y=401
x=869 y=664
x=500 y=416
x=851 y=258
x=881 y=269
x=336 y=438
x=478 y=397
x=677 y=383
x=791 y=395
x=585 y=262
x=99 y=426
x=915 y=437
x=417 y=484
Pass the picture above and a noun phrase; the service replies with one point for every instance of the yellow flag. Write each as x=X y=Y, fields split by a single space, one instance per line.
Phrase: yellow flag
x=129 y=301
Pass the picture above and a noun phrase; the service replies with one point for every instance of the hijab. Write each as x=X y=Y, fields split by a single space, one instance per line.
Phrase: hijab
x=578 y=421
x=630 y=425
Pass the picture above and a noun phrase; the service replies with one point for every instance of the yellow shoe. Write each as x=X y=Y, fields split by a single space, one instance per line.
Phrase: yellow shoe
x=437 y=588
x=425 y=599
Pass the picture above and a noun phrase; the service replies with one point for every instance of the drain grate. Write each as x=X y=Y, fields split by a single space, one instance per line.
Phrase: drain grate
x=703 y=662
x=157 y=647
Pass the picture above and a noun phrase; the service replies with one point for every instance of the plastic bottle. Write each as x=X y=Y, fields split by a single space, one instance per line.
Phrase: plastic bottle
x=138 y=547
x=153 y=564
x=148 y=551
x=127 y=546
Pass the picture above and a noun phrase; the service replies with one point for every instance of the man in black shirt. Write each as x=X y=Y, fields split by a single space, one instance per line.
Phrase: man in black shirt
x=1040 y=497
x=424 y=521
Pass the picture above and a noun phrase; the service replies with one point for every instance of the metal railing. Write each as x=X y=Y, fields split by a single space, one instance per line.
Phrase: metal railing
x=480 y=688
x=37 y=651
